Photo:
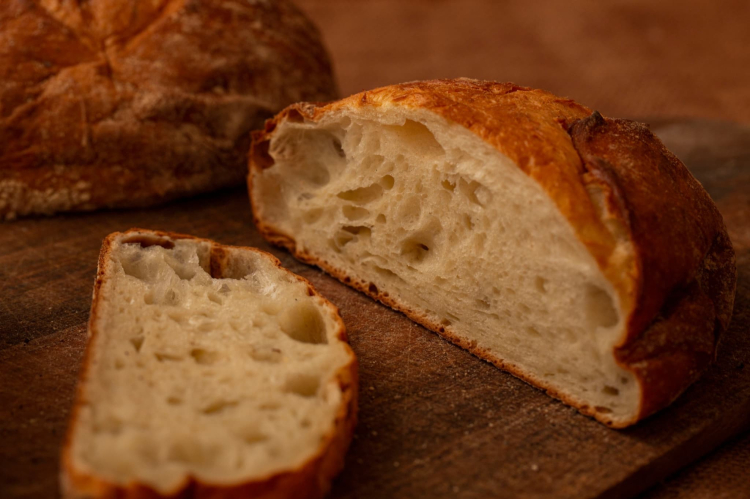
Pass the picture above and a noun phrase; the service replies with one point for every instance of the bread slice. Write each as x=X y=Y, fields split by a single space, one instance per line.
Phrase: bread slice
x=571 y=250
x=210 y=371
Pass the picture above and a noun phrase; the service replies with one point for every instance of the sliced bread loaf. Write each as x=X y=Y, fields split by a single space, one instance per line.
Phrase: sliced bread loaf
x=571 y=250
x=210 y=371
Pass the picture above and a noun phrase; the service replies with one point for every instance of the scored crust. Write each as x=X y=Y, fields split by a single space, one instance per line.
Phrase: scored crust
x=653 y=230
x=130 y=103
x=310 y=480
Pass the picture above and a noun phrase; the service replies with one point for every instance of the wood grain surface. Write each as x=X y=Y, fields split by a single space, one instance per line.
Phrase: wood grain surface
x=435 y=421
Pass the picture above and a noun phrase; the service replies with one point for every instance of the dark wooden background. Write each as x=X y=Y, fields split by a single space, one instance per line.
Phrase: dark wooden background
x=683 y=58
x=425 y=427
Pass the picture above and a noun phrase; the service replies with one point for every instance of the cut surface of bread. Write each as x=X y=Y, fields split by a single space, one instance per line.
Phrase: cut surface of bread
x=470 y=206
x=210 y=370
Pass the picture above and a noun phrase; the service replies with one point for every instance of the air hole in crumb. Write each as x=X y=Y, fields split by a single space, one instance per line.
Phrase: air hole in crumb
x=373 y=289
x=414 y=250
x=305 y=423
x=483 y=195
x=600 y=309
x=532 y=331
x=387 y=273
x=610 y=390
x=219 y=406
x=623 y=380
x=312 y=216
x=174 y=401
x=137 y=342
x=304 y=385
x=170 y=298
x=541 y=284
x=445 y=322
x=119 y=364
x=474 y=192
x=468 y=222
x=251 y=435
x=358 y=230
x=348 y=234
x=183 y=271
x=355 y=212
x=387 y=181
x=362 y=195
x=271 y=306
x=337 y=147
x=266 y=354
x=315 y=173
x=146 y=240
x=340 y=239
x=413 y=137
x=448 y=185
x=303 y=322
x=161 y=357
x=204 y=357
x=482 y=304
x=380 y=219
x=603 y=410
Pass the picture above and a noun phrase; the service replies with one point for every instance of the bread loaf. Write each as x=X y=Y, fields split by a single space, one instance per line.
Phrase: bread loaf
x=569 y=249
x=210 y=371
x=114 y=103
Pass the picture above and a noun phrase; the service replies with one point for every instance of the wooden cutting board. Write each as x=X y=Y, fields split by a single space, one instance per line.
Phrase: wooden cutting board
x=434 y=420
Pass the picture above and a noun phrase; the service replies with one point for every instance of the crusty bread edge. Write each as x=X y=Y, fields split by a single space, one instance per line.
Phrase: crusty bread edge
x=312 y=479
x=655 y=393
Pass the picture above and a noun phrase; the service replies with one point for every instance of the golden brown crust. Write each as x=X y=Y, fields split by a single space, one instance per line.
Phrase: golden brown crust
x=310 y=480
x=683 y=273
x=653 y=230
x=110 y=104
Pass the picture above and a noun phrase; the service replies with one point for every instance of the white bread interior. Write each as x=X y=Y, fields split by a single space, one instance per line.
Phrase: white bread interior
x=458 y=237
x=224 y=380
